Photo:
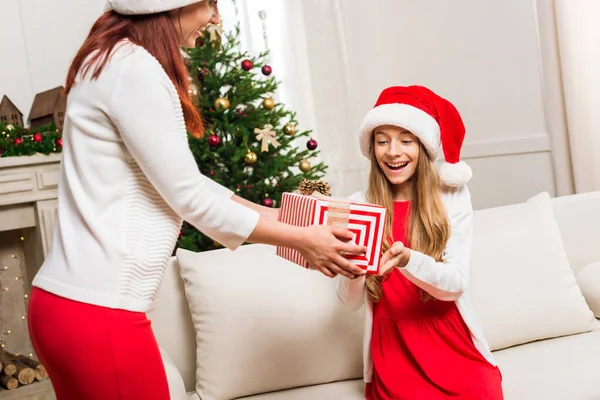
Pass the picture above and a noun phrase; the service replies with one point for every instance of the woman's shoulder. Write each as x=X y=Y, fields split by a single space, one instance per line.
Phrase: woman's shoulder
x=135 y=61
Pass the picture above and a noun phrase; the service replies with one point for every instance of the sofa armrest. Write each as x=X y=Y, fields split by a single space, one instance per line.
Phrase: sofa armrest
x=176 y=385
x=588 y=279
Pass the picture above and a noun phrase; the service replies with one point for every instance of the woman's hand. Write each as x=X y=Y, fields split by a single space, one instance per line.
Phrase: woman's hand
x=323 y=247
x=397 y=256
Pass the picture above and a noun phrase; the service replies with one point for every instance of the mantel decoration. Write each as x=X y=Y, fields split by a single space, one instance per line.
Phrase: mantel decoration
x=18 y=141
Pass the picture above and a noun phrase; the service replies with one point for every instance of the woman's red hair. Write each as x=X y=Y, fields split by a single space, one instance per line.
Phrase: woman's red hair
x=155 y=33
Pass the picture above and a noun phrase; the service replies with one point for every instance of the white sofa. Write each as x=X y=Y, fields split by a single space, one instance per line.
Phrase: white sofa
x=247 y=324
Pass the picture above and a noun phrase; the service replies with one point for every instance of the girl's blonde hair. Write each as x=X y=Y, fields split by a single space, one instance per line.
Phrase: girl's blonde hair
x=428 y=228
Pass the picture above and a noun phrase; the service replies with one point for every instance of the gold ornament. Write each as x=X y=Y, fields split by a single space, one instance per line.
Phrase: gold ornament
x=193 y=89
x=304 y=166
x=250 y=157
x=222 y=103
x=289 y=129
x=268 y=103
x=217 y=244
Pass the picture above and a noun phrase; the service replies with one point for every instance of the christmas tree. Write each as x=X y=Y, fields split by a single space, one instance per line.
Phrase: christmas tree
x=251 y=144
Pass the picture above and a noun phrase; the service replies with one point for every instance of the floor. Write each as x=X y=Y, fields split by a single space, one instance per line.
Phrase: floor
x=35 y=391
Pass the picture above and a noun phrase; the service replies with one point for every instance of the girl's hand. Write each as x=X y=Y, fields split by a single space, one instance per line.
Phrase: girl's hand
x=396 y=256
x=323 y=247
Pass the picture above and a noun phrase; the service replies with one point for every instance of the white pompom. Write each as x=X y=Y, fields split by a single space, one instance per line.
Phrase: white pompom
x=454 y=174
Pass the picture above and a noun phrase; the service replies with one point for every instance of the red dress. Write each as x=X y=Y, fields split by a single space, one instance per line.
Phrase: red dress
x=423 y=350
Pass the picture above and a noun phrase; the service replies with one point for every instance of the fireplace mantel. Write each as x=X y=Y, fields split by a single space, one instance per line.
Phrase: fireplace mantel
x=28 y=200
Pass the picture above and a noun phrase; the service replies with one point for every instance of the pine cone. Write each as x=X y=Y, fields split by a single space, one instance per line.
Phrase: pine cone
x=307 y=187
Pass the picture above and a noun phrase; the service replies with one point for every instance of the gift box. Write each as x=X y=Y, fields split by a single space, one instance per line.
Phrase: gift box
x=365 y=221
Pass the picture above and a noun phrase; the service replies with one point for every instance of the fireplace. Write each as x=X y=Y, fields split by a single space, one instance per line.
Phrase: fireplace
x=28 y=192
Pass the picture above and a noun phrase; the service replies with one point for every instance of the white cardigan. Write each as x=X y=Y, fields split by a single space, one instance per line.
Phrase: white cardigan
x=446 y=281
x=127 y=180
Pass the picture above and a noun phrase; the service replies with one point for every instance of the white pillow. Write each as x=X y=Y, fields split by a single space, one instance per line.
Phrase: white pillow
x=589 y=282
x=264 y=324
x=522 y=286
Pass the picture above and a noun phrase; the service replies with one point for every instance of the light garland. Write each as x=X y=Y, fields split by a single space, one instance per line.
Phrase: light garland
x=5 y=331
x=17 y=141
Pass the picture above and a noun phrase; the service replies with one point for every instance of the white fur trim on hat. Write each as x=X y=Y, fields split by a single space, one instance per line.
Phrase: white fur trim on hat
x=454 y=174
x=134 y=7
x=413 y=119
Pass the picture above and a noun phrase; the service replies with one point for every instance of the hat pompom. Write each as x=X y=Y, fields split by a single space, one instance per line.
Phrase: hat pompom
x=454 y=175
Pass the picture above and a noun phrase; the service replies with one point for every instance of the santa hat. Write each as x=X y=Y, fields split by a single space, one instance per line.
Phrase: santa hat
x=431 y=118
x=133 y=7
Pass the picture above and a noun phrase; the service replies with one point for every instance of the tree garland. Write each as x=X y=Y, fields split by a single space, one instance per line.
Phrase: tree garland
x=17 y=141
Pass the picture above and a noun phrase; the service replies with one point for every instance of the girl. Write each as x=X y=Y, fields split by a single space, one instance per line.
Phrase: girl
x=127 y=180
x=422 y=341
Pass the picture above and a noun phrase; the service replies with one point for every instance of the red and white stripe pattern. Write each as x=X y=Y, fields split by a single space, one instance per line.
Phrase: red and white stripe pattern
x=365 y=221
x=296 y=210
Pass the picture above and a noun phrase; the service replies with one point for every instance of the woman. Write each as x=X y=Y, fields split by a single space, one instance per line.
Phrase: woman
x=422 y=340
x=128 y=179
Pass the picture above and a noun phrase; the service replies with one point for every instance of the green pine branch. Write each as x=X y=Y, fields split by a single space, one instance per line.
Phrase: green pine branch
x=16 y=141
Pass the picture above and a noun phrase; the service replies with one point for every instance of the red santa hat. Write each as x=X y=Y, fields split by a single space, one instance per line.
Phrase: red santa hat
x=431 y=118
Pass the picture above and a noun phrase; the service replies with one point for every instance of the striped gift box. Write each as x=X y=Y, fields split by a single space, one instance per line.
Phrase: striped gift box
x=365 y=221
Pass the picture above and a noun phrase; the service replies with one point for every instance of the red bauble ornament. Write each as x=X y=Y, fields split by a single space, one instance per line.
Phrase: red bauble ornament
x=37 y=137
x=311 y=144
x=202 y=72
x=214 y=140
x=180 y=234
x=247 y=65
x=59 y=142
x=267 y=202
x=267 y=70
x=18 y=141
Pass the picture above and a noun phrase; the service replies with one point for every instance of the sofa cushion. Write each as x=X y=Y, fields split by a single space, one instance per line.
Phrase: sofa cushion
x=578 y=217
x=589 y=282
x=554 y=369
x=345 y=390
x=172 y=324
x=522 y=286
x=264 y=324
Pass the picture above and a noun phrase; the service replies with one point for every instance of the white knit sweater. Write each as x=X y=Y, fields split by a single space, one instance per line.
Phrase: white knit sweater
x=128 y=178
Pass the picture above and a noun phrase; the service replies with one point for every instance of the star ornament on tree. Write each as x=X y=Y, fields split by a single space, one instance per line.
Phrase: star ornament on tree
x=267 y=135
x=215 y=31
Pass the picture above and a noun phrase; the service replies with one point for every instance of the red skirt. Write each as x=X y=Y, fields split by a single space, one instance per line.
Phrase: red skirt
x=95 y=353
x=423 y=350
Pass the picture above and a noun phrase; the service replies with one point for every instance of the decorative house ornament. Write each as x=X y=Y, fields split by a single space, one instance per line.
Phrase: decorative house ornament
x=9 y=113
x=48 y=106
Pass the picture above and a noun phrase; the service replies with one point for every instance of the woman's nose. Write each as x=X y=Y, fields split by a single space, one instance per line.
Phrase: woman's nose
x=215 y=20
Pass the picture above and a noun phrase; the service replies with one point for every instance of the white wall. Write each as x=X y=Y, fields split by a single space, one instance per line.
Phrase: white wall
x=38 y=40
x=578 y=35
x=482 y=55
